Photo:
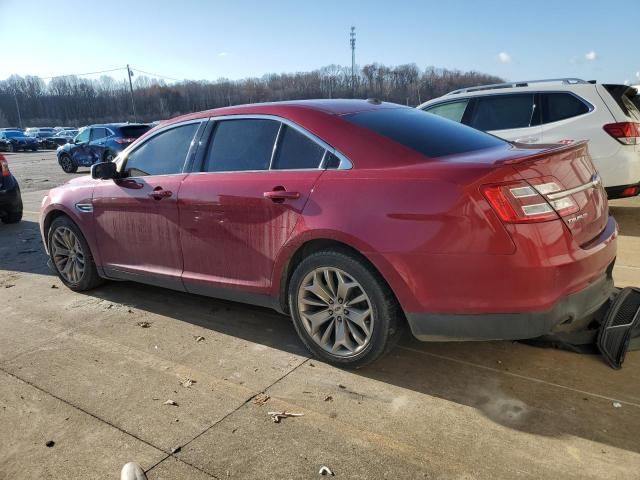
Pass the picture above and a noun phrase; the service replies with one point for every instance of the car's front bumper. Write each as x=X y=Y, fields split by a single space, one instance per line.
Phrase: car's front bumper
x=513 y=326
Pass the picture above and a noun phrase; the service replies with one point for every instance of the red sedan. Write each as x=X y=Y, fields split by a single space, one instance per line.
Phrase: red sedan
x=355 y=217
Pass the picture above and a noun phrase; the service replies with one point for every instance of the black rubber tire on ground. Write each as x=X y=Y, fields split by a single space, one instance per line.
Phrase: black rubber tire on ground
x=34 y=149
x=10 y=148
x=108 y=156
x=67 y=164
x=15 y=215
x=387 y=314
x=90 y=278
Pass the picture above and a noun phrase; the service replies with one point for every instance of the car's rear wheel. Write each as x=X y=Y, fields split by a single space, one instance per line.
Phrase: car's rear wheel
x=342 y=309
x=108 y=157
x=15 y=215
x=10 y=148
x=71 y=256
x=67 y=164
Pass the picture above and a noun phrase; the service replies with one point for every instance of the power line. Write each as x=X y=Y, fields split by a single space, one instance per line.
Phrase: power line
x=82 y=74
x=155 y=74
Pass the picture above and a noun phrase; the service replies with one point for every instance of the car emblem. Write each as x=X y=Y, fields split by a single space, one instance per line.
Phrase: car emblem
x=582 y=216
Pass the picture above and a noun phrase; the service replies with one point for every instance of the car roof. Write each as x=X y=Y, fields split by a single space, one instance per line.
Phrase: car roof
x=326 y=107
x=118 y=125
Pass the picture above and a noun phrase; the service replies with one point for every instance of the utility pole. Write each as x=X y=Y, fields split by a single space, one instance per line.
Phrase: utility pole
x=352 y=41
x=15 y=97
x=133 y=103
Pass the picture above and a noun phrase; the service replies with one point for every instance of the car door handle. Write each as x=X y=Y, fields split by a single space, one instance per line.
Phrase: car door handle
x=281 y=195
x=158 y=193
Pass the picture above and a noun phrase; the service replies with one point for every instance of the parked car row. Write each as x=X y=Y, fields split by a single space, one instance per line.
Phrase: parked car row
x=355 y=217
x=558 y=111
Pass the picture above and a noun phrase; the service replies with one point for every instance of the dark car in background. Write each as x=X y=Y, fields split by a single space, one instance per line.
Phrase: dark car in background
x=16 y=140
x=44 y=139
x=98 y=143
x=10 y=198
x=63 y=137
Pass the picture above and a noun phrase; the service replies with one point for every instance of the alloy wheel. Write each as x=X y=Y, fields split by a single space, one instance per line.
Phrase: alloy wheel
x=336 y=311
x=67 y=254
x=67 y=165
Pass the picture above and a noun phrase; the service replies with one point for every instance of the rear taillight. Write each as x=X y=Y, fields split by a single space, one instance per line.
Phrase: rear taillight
x=523 y=202
x=4 y=166
x=124 y=141
x=627 y=133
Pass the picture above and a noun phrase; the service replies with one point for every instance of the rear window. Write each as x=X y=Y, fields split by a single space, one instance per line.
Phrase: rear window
x=423 y=132
x=134 y=131
x=624 y=95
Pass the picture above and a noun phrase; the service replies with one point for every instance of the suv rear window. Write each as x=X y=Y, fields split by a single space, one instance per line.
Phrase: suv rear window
x=560 y=106
x=424 y=132
x=503 y=112
x=623 y=96
x=134 y=131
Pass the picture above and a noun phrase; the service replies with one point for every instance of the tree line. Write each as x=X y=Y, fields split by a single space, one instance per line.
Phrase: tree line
x=76 y=101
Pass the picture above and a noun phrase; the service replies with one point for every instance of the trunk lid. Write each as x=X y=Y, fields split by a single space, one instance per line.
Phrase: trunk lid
x=564 y=175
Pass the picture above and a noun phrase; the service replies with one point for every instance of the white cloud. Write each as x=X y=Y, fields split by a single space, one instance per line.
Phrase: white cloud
x=637 y=74
x=504 y=57
x=223 y=54
x=591 y=55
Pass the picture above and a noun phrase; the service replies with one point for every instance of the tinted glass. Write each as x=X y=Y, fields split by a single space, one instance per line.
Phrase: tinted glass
x=296 y=150
x=14 y=134
x=428 y=134
x=241 y=145
x=623 y=96
x=559 y=106
x=451 y=110
x=502 y=112
x=134 y=131
x=332 y=161
x=164 y=154
x=83 y=136
x=98 y=133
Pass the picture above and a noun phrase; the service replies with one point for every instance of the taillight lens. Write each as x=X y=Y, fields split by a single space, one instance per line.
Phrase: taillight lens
x=523 y=202
x=124 y=141
x=4 y=166
x=627 y=133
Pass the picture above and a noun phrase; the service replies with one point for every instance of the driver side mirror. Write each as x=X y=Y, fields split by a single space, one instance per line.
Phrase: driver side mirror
x=104 y=171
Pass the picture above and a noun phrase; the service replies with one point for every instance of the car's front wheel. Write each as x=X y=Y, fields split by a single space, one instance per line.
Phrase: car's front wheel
x=67 y=164
x=108 y=157
x=342 y=309
x=71 y=256
x=11 y=148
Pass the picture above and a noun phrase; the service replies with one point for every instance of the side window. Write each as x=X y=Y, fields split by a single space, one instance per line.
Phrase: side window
x=559 y=106
x=241 y=145
x=98 y=133
x=164 y=154
x=451 y=110
x=296 y=150
x=83 y=137
x=502 y=112
x=332 y=162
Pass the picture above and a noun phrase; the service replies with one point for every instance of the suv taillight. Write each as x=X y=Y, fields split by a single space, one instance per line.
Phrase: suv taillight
x=627 y=133
x=523 y=202
x=123 y=141
x=4 y=167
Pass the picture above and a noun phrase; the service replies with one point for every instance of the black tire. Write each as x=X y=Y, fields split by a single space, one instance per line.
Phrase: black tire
x=67 y=164
x=108 y=157
x=34 y=149
x=10 y=148
x=90 y=278
x=387 y=314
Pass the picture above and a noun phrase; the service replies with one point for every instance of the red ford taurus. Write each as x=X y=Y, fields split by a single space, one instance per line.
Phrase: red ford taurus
x=356 y=217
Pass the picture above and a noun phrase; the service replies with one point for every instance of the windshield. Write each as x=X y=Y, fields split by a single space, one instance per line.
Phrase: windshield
x=426 y=133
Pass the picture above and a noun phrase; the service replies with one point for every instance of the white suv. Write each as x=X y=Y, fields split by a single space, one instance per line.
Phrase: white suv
x=558 y=111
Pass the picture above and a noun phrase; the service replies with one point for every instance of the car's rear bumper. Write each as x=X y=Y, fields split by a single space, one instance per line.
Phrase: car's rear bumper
x=513 y=326
x=623 y=191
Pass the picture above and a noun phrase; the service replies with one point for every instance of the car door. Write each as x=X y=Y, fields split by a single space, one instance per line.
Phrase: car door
x=238 y=212
x=97 y=141
x=80 y=150
x=514 y=117
x=136 y=216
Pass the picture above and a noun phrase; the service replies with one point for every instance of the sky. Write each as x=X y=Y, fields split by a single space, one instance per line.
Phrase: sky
x=200 y=39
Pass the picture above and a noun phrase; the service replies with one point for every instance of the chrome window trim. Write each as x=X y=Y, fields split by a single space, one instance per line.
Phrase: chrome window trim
x=275 y=146
x=122 y=158
x=345 y=163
